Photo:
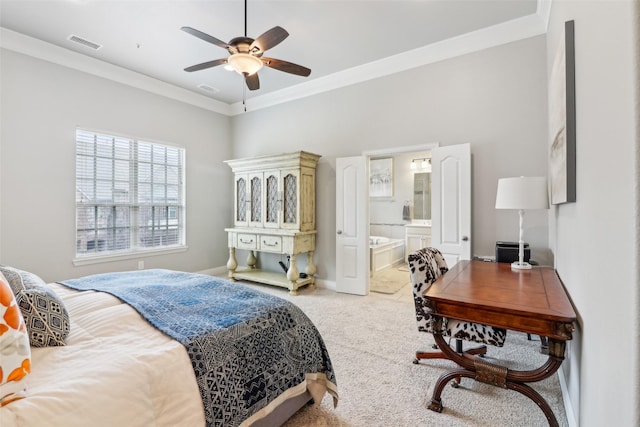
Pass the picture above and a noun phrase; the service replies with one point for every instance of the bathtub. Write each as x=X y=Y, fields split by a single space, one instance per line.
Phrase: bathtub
x=384 y=253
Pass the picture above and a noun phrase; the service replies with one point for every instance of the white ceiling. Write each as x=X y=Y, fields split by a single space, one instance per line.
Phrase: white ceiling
x=329 y=37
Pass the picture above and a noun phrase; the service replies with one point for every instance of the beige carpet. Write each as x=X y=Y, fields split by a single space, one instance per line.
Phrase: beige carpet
x=389 y=281
x=372 y=341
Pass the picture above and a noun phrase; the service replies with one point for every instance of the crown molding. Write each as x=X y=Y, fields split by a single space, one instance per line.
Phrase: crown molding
x=30 y=46
x=510 y=31
x=544 y=12
x=507 y=32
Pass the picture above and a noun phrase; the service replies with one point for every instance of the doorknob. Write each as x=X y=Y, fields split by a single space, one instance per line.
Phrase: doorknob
x=339 y=231
x=465 y=238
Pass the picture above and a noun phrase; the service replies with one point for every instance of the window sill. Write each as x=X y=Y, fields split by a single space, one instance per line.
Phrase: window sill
x=97 y=259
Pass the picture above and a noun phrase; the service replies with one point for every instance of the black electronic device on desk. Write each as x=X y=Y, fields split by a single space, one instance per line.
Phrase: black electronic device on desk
x=508 y=252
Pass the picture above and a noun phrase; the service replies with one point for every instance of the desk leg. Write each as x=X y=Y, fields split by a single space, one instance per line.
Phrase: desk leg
x=481 y=370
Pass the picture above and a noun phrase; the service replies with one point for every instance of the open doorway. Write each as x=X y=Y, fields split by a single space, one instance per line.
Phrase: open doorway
x=399 y=213
x=450 y=208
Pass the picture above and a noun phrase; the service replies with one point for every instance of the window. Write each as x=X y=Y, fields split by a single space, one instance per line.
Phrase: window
x=129 y=195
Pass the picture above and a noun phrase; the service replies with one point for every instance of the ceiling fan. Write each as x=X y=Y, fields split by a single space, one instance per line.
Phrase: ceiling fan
x=246 y=54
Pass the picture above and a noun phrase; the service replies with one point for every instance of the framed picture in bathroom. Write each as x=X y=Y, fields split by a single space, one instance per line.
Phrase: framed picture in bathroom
x=381 y=177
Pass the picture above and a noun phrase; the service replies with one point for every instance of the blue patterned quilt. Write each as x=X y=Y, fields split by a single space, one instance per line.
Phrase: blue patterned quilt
x=246 y=347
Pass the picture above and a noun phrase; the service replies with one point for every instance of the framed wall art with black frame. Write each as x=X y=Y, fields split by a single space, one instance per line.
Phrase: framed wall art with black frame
x=562 y=120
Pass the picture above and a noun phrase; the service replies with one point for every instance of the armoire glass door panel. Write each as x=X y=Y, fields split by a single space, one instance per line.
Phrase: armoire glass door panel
x=290 y=191
x=272 y=200
x=241 y=199
x=256 y=200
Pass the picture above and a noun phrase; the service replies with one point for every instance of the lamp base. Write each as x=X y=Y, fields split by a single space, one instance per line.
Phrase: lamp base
x=517 y=265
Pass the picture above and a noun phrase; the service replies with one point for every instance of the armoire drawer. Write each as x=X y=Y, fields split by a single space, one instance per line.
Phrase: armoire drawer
x=247 y=241
x=271 y=244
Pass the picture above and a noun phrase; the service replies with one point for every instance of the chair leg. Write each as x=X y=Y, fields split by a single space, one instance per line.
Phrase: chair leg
x=480 y=351
x=440 y=355
x=428 y=355
x=544 y=345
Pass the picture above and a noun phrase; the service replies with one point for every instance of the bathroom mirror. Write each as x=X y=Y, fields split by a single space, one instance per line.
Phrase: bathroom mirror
x=422 y=196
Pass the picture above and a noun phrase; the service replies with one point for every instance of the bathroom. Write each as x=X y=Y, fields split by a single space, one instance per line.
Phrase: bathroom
x=399 y=208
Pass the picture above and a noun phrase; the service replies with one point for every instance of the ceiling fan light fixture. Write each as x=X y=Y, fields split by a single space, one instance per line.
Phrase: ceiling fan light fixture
x=245 y=63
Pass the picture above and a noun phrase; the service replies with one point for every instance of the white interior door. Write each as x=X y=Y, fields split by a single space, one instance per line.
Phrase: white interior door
x=451 y=202
x=352 y=226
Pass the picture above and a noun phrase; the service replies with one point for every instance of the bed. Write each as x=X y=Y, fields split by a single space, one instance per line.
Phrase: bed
x=183 y=350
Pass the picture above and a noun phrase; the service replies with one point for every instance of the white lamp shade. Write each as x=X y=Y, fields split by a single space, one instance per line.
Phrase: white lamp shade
x=245 y=63
x=522 y=193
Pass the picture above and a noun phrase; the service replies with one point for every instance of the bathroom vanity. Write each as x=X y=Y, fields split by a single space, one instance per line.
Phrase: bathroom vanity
x=417 y=236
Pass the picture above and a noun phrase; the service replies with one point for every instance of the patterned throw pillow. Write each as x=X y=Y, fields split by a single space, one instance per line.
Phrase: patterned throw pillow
x=15 y=353
x=44 y=312
x=19 y=279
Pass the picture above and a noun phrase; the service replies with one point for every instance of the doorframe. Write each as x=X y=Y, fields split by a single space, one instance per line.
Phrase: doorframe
x=398 y=150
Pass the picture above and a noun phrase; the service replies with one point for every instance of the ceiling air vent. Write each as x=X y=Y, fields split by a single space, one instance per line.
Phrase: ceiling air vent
x=84 y=42
x=208 y=88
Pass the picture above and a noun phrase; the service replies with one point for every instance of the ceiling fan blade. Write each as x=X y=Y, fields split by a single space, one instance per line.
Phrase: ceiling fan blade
x=253 y=82
x=287 y=67
x=270 y=39
x=205 y=65
x=205 y=37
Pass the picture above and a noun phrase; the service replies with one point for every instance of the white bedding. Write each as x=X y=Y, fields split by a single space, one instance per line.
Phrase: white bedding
x=123 y=373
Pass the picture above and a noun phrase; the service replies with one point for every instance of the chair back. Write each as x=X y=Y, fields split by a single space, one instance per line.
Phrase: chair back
x=425 y=267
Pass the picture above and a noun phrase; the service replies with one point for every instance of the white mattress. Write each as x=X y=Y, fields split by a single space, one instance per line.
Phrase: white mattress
x=116 y=370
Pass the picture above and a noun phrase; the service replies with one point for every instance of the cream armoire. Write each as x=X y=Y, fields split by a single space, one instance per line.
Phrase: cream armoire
x=274 y=212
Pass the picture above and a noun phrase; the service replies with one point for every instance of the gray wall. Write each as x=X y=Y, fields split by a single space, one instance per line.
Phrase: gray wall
x=595 y=240
x=42 y=104
x=494 y=99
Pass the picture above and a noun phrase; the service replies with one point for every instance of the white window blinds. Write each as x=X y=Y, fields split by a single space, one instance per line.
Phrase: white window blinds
x=129 y=195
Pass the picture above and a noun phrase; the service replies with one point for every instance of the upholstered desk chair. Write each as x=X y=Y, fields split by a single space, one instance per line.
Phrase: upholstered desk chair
x=425 y=266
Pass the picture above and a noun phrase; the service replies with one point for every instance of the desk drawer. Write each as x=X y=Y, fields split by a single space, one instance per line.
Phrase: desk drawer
x=247 y=241
x=271 y=244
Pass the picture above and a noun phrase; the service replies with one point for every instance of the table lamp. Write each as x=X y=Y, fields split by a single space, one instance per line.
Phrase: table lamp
x=522 y=193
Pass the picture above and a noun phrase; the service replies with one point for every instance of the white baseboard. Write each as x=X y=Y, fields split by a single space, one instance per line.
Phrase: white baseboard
x=566 y=399
x=326 y=284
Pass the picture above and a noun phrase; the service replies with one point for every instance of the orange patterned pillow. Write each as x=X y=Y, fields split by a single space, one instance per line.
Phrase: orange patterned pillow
x=15 y=362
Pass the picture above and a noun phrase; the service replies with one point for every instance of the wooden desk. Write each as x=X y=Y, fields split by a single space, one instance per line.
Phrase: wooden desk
x=532 y=301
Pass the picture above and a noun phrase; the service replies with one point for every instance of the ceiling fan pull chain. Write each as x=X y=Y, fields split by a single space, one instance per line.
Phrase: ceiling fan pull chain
x=244 y=96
